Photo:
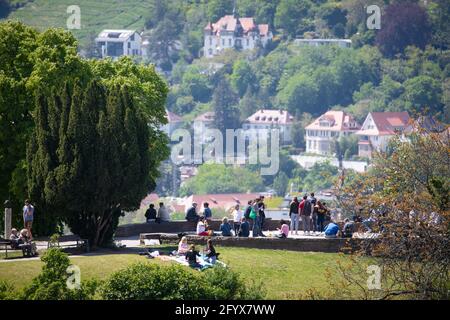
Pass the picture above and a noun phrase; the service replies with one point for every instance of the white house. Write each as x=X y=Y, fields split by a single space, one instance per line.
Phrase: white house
x=201 y=124
x=117 y=43
x=343 y=43
x=270 y=119
x=378 y=129
x=321 y=134
x=231 y=31
x=174 y=122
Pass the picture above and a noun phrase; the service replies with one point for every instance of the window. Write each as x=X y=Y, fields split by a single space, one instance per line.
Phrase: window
x=248 y=42
x=210 y=41
x=223 y=42
x=229 y=42
x=210 y=52
x=132 y=37
x=129 y=45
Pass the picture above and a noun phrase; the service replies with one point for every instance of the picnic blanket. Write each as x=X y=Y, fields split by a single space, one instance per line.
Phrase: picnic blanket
x=201 y=260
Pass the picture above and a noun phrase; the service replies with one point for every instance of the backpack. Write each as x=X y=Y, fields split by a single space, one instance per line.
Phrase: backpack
x=252 y=214
x=307 y=208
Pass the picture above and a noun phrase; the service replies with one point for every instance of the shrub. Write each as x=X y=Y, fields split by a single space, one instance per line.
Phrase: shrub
x=143 y=281
x=51 y=283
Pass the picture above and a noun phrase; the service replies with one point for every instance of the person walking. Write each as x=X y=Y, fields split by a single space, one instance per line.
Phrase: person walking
x=256 y=230
x=28 y=217
x=294 y=215
x=305 y=210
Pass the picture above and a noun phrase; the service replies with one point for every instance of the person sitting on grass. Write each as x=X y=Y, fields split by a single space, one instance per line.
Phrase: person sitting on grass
x=201 y=227
x=191 y=257
x=244 y=230
x=183 y=246
x=331 y=230
x=225 y=227
x=211 y=253
x=283 y=231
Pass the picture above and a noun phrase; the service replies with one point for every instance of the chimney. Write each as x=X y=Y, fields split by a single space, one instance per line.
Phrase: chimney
x=281 y=111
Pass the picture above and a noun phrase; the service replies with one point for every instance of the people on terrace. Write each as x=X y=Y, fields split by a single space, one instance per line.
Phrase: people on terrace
x=294 y=215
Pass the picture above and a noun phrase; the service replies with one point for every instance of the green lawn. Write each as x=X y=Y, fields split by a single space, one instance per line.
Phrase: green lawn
x=95 y=15
x=283 y=273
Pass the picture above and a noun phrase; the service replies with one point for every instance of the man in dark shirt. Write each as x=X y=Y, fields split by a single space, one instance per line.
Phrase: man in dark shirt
x=191 y=214
x=150 y=214
x=244 y=230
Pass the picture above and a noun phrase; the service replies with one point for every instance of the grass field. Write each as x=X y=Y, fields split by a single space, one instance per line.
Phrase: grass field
x=95 y=15
x=283 y=273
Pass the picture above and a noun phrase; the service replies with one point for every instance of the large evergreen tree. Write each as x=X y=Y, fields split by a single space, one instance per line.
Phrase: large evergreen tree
x=89 y=158
x=225 y=106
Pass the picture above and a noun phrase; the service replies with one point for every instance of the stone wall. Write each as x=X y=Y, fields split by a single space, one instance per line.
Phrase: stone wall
x=182 y=226
x=311 y=245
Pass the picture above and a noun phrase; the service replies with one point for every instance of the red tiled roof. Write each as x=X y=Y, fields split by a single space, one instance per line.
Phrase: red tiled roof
x=172 y=117
x=150 y=198
x=229 y=23
x=339 y=121
x=263 y=29
x=223 y=201
x=386 y=123
x=206 y=117
x=270 y=117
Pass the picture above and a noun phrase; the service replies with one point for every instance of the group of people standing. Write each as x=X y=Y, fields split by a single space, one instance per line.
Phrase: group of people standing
x=311 y=212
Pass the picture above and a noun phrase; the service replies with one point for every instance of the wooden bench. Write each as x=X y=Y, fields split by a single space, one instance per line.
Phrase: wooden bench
x=79 y=242
x=26 y=249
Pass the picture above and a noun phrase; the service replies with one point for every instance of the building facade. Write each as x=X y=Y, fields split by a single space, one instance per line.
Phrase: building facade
x=231 y=31
x=321 y=135
x=117 y=43
x=378 y=128
x=343 y=43
x=270 y=119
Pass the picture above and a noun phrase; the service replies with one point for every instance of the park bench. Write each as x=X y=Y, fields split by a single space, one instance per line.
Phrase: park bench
x=76 y=242
x=26 y=249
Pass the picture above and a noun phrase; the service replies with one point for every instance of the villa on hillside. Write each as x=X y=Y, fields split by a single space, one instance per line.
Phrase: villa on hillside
x=378 y=129
x=201 y=124
x=117 y=43
x=321 y=134
x=270 y=119
x=231 y=31
x=174 y=122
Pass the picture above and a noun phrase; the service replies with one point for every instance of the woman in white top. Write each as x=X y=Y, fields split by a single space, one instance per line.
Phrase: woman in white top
x=237 y=218
x=201 y=228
